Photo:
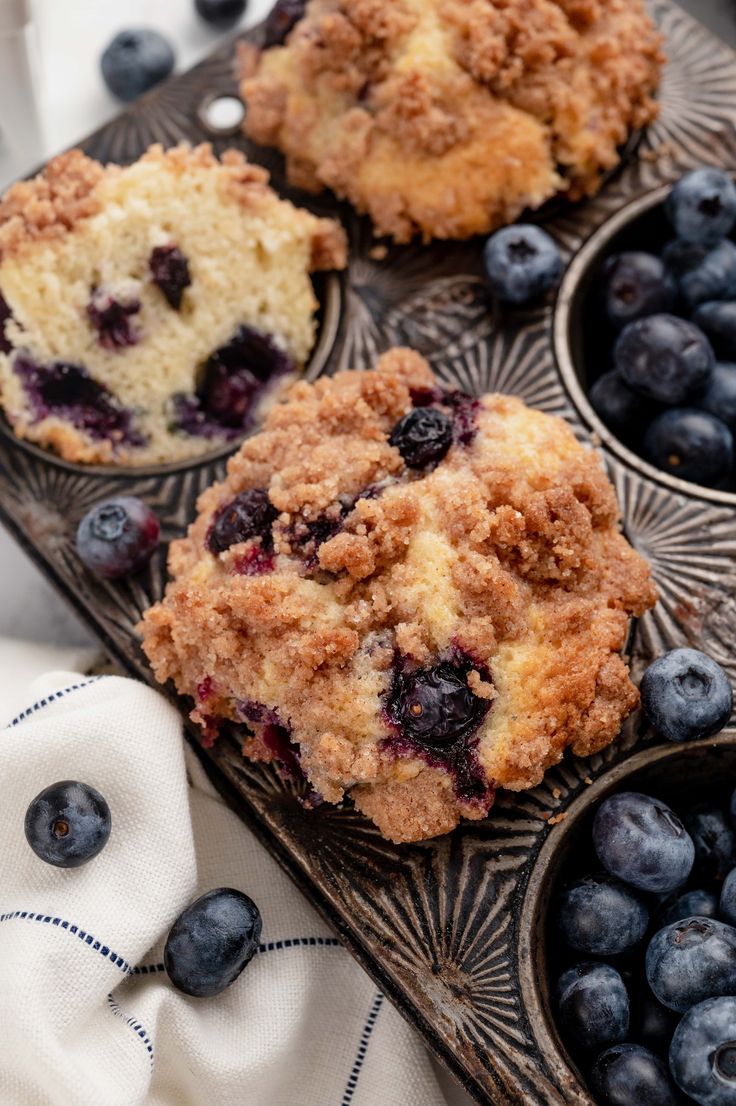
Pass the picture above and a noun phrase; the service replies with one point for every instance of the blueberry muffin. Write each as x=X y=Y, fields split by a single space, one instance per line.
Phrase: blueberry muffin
x=149 y=311
x=407 y=595
x=448 y=118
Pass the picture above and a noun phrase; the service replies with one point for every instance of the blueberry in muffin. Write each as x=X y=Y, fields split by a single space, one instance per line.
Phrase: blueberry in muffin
x=149 y=311
x=408 y=595
x=448 y=118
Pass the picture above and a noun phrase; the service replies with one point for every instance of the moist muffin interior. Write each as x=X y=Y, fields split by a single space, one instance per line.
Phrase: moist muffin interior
x=447 y=118
x=410 y=636
x=150 y=309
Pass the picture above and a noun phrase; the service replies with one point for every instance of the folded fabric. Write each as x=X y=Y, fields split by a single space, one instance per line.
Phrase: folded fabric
x=89 y=1016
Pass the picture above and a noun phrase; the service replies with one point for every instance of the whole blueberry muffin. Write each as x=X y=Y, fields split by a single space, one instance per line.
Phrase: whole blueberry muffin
x=148 y=311
x=448 y=118
x=409 y=596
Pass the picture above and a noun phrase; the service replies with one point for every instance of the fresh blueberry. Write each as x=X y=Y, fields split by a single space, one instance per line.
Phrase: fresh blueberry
x=434 y=706
x=600 y=916
x=732 y=808
x=687 y=905
x=681 y=257
x=703 y=1053
x=250 y=515
x=727 y=903
x=685 y=695
x=652 y=1024
x=283 y=17
x=718 y=322
x=593 y=1007
x=117 y=537
x=220 y=13
x=111 y=320
x=135 y=61
x=67 y=824
x=713 y=840
x=521 y=263
x=713 y=279
x=170 y=272
x=719 y=396
x=642 y=842
x=702 y=206
x=692 y=960
x=629 y=1075
x=691 y=444
x=636 y=284
x=623 y=411
x=212 y=941
x=423 y=436
x=664 y=358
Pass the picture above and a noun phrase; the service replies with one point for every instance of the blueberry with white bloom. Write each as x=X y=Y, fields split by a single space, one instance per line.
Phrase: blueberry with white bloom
x=211 y=942
x=68 y=824
x=702 y=206
x=593 y=1006
x=664 y=358
x=686 y=695
x=717 y=320
x=691 y=444
x=600 y=916
x=703 y=1053
x=642 y=842
x=691 y=960
x=521 y=262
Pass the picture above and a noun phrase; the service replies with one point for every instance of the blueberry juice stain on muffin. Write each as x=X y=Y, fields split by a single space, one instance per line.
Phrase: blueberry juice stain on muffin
x=409 y=596
x=152 y=310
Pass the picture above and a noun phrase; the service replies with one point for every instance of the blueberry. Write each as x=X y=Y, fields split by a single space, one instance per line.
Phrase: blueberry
x=117 y=537
x=713 y=839
x=67 y=824
x=687 y=905
x=169 y=270
x=692 y=960
x=636 y=284
x=283 y=17
x=435 y=706
x=703 y=1053
x=250 y=515
x=686 y=696
x=111 y=320
x=629 y=1075
x=727 y=902
x=642 y=842
x=718 y=322
x=220 y=13
x=521 y=263
x=691 y=444
x=70 y=391
x=652 y=1024
x=713 y=279
x=702 y=206
x=5 y=315
x=681 y=257
x=422 y=437
x=664 y=358
x=732 y=808
x=227 y=397
x=593 y=1006
x=599 y=916
x=135 y=61
x=212 y=941
x=623 y=411
x=719 y=395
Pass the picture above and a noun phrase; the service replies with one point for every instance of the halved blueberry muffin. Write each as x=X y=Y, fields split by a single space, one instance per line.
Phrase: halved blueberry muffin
x=447 y=118
x=411 y=596
x=148 y=311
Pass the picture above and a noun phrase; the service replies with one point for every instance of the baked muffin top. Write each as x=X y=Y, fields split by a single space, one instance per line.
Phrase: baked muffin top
x=447 y=118
x=411 y=596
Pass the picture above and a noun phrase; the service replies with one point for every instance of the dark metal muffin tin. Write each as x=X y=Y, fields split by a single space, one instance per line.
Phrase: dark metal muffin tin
x=452 y=929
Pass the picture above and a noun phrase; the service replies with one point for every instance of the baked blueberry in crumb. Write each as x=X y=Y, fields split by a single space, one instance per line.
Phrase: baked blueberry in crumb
x=283 y=17
x=250 y=515
x=5 y=314
x=111 y=319
x=170 y=272
x=423 y=436
x=434 y=706
x=211 y=942
x=117 y=537
x=68 y=824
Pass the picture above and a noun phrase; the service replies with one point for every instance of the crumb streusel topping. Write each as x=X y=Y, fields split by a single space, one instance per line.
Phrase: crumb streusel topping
x=410 y=637
x=448 y=118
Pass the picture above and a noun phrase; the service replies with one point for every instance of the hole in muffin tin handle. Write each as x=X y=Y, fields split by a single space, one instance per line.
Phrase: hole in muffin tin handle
x=221 y=114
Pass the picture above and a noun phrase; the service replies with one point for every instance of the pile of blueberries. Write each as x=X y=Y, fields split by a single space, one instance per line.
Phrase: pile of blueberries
x=647 y=1001
x=671 y=394
x=209 y=944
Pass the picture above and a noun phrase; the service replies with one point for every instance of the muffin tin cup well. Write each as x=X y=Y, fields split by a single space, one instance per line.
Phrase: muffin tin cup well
x=448 y=929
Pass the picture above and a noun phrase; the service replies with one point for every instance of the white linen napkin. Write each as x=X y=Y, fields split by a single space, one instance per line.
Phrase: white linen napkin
x=88 y=1015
